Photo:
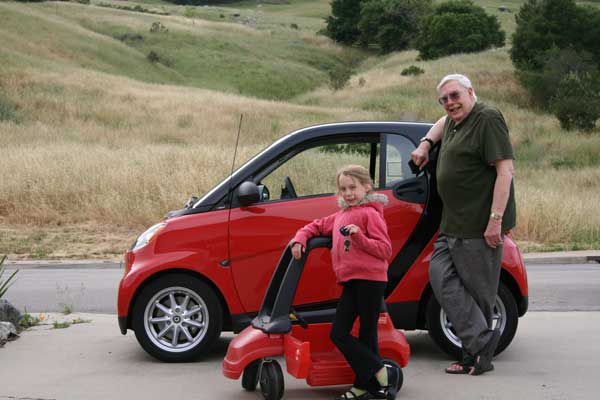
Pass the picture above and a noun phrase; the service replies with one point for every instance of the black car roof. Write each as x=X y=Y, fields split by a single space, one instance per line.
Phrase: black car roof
x=414 y=130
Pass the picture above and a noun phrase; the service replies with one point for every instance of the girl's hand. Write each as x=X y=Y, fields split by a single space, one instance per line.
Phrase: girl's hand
x=297 y=250
x=352 y=229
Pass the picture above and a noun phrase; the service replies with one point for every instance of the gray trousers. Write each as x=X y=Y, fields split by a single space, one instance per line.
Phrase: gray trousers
x=464 y=276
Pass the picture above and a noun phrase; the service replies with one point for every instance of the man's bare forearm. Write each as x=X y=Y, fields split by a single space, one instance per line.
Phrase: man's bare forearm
x=436 y=132
x=505 y=172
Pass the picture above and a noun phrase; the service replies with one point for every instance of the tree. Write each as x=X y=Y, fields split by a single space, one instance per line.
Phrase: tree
x=556 y=52
x=557 y=63
x=342 y=24
x=458 y=27
x=542 y=25
x=391 y=24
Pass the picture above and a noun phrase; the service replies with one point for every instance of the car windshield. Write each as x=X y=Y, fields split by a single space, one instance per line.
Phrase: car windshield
x=239 y=172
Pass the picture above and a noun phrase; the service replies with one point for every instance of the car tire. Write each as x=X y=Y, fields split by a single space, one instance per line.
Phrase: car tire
x=177 y=318
x=251 y=375
x=271 y=380
x=440 y=329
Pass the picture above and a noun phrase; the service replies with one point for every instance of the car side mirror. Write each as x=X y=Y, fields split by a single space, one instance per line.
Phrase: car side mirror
x=247 y=193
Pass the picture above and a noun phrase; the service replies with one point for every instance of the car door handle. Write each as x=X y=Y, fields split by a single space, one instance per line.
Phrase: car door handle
x=417 y=190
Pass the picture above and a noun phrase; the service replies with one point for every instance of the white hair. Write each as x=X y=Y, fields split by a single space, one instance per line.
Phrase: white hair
x=461 y=79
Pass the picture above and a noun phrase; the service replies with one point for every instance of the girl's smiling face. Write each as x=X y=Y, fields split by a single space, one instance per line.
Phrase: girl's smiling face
x=351 y=190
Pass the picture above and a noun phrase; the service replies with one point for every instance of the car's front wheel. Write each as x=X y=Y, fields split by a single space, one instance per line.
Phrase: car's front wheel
x=506 y=316
x=177 y=317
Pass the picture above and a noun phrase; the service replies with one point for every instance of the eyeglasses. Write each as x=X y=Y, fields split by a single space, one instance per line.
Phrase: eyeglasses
x=454 y=96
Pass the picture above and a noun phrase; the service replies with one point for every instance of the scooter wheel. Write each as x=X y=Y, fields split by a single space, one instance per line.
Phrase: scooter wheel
x=271 y=380
x=251 y=375
x=394 y=364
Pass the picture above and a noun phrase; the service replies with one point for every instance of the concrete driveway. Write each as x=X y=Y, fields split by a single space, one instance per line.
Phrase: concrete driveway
x=554 y=356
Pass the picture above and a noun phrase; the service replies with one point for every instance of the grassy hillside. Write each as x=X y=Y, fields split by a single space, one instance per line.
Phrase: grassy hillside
x=98 y=142
x=244 y=52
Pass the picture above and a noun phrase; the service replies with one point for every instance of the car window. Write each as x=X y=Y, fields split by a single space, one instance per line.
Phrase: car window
x=312 y=171
x=398 y=149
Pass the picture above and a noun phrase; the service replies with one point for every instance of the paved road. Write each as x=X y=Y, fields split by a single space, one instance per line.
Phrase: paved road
x=553 y=287
x=564 y=287
x=553 y=357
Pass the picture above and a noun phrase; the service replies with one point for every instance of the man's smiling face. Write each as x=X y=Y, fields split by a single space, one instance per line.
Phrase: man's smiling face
x=457 y=100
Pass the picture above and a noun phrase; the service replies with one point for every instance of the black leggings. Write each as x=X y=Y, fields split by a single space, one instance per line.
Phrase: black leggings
x=360 y=298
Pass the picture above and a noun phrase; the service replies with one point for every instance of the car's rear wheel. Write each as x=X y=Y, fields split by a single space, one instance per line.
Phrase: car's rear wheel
x=506 y=316
x=177 y=317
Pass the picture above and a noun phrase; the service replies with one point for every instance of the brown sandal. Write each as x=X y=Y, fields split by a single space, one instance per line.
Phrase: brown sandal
x=483 y=359
x=465 y=367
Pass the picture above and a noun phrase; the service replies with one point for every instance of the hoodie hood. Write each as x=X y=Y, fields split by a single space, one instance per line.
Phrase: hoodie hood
x=375 y=200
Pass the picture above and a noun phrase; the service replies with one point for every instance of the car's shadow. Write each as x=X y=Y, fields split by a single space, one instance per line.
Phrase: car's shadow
x=421 y=347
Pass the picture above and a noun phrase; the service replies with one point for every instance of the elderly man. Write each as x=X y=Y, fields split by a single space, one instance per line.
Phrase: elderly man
x=474 y=178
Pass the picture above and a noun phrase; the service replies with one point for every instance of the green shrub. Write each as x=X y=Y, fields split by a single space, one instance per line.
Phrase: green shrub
x=458 y=27
x=130 y=37
x=190 y=12
x=339 y=77
x=359 y=149
x=158 y=27
x=200 y=2
x=27 y=320
x=153 y=57
x=412 y=70
x=576 y=102
x=136 y=8
x=8 y=110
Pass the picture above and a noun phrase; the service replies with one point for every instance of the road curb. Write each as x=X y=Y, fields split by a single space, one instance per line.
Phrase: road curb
x=564 y=257
x=63 y=264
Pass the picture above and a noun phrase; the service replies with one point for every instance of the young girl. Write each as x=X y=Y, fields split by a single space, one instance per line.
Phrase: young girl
x=361 y=248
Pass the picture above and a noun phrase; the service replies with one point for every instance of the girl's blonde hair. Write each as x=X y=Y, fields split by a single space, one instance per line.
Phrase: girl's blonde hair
x=358 y=172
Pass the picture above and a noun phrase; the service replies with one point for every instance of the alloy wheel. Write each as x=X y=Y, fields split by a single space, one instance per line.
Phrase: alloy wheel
x=176 y=319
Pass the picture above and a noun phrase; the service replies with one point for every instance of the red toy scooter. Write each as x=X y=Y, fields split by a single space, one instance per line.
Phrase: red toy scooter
x=278 y=330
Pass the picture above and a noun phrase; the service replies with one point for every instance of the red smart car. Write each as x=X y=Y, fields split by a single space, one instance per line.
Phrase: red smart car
x=204 y=269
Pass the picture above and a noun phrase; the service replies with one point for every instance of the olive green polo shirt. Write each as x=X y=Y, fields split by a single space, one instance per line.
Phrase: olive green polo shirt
x=466 y=175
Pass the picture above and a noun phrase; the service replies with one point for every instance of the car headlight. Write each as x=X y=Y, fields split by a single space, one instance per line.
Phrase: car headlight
x=148 y=236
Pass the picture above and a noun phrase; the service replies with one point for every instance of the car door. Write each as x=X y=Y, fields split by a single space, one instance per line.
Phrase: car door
x=259 y=233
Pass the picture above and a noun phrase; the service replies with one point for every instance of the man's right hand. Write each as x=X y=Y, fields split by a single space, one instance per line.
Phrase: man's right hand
x=297 y=250
x=420 y=155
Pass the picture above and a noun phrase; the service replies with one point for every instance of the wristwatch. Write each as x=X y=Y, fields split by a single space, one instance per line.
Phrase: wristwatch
x=426 y=139
x=496 y=216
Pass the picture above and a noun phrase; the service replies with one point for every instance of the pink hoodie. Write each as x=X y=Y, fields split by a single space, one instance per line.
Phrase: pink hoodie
x=370 y=248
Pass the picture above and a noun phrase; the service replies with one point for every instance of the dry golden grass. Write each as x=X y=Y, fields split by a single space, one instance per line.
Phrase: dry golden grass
x=113 y=149
x=558 y=207
x=105 y=155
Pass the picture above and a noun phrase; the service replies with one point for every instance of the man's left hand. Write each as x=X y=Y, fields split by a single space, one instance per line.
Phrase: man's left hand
x=493 y=233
